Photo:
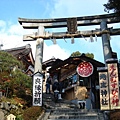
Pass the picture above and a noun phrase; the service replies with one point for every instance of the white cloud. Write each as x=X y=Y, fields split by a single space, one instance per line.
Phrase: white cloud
x=55 y=51
x=77 y=8
x=15 y=30
x=13 y=37
x=2 y=23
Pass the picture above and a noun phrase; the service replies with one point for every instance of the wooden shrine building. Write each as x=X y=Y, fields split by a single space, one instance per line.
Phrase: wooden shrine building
x=66 y=73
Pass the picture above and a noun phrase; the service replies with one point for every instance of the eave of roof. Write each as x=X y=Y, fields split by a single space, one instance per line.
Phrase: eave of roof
x=78 y=59
x=51 y=62
x=22 y=51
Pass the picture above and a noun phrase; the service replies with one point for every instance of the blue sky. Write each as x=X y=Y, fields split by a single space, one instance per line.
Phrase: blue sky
x=11 y=32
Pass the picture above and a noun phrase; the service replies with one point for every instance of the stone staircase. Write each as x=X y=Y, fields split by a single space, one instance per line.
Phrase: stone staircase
x=73 y=114
x=48 y=101
x=65 y=110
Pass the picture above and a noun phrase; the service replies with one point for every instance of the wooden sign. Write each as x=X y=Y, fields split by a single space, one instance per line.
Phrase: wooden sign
x=37 y=89
x=114 y=85
x=104 y=90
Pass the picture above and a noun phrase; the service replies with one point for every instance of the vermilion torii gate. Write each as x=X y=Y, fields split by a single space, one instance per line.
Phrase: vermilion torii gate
x=71 y=24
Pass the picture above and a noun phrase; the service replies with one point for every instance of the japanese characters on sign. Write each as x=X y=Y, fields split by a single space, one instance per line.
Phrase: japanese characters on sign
x=114 y=85
x=109 y=86
x=37 y=89
x=104 y=90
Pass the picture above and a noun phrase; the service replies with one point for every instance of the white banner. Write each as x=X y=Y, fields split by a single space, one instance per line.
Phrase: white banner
x=37 y=89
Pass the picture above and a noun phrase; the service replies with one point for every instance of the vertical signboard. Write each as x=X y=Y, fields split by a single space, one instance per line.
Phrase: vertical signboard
x=104 y=89
x=37 y=89
x=113 y=84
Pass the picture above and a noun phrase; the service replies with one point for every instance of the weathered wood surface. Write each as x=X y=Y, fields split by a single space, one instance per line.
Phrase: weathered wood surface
x=78 y=34
x=62 y=22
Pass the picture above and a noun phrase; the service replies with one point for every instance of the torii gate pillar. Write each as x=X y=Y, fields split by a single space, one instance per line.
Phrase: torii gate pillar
x=105 y=42
x=39 y=50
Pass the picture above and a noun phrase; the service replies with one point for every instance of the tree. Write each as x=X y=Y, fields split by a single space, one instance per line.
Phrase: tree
x=112 y=5
x=77 y=53
x=91 y=55
x=11 y=76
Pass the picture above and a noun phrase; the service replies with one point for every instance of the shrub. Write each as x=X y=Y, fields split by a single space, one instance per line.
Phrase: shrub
x=32 y=113
x=115 y=115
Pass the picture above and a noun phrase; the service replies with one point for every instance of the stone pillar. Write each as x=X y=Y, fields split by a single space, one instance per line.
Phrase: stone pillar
x=39 y=50
x=105 y=42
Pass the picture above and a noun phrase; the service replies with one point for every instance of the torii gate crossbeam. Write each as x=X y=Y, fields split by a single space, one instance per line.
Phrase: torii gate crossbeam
x=62 y=22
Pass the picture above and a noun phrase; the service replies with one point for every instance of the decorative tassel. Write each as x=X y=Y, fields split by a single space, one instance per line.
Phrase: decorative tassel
x=91 y=38
x=54 y=41
x=95 y=37
x=83 y=37
x=72 y=40
x=64 y=40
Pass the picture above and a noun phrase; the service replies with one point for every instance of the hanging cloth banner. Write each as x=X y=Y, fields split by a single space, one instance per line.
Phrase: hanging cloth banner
x=113 y=84
x=85 y=69
x=104 y=88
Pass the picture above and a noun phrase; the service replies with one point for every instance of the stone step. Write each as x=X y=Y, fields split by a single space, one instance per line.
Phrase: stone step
x=77 y=119
x=47 y=100
x=69 y=110
x=75 y=113
x=65 y=110
x=74 y=116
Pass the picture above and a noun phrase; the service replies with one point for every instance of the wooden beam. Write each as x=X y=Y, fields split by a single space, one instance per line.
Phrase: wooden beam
x=25 y=20
x=29 y=37
x=79 y=34
x=62 y=22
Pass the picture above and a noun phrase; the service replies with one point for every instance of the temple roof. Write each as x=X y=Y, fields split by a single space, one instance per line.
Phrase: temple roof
x=23 y=54
x=75 y=61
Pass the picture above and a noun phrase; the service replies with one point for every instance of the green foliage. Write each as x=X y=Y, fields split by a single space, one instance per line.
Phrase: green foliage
x=8 y=62
x=21 y=80
x=77 y=53
x=11 y=76
x=112 y=5
x=91 y=55
x=32 y=113
x=19 y=117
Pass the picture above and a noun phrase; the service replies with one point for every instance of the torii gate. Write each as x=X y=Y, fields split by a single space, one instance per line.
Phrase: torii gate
x=71 y=24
